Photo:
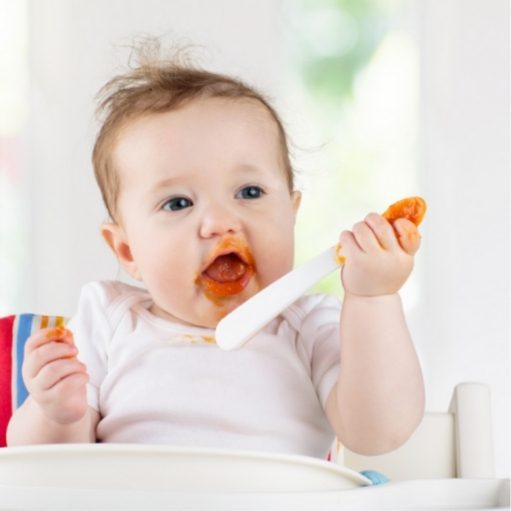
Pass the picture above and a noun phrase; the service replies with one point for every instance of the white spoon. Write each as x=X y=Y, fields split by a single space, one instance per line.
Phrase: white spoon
x=243 y=322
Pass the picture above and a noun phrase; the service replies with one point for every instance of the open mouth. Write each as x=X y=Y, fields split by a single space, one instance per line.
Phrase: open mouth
x=228 y=270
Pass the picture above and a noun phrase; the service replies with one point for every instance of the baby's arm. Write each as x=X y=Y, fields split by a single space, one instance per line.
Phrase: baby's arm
x=378 y=400
x=56 y=409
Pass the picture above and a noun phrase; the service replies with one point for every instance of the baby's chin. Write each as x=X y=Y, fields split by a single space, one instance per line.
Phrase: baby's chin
x=212 y=314
x=205 y=310
x=215 y=308
x=205 y=314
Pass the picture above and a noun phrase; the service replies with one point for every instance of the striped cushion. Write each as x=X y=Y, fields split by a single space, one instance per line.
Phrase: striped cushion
x=14 y=331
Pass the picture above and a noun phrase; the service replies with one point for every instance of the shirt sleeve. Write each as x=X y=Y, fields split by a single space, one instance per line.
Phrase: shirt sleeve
x=91 y=332
x=319 y=332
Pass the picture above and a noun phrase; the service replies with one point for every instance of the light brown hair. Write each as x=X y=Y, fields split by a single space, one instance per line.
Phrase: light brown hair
x=158 y=85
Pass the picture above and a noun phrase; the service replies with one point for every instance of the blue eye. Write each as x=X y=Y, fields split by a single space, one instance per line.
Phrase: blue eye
x=177 y=204
x=250 y=192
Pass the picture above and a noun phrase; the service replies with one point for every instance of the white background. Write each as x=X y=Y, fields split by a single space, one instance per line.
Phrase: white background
x=461 y=322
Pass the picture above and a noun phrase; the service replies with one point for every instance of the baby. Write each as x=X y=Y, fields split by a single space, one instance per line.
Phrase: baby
x=195 y=173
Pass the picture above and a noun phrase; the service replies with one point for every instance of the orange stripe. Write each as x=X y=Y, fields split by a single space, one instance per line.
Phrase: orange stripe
x=59 y=321
x=44 y=321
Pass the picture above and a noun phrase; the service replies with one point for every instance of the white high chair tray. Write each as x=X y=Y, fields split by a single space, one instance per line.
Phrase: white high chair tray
x=134 y=477
x=164 y=468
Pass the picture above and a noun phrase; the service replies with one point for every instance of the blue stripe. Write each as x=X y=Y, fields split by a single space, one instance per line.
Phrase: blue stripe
x=24 y=331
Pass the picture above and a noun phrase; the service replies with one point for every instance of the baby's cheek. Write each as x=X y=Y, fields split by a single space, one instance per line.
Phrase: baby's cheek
x=275 y=264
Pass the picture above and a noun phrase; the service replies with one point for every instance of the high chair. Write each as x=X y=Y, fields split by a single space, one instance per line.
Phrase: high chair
x=448 y=463
x=457 y=443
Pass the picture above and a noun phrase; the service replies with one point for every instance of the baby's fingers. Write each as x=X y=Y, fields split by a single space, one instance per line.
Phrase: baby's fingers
x=58 y=370
x=382 y=230
x=347 y=247
x=38 y=358
x=47 y=335
x=45 y=346
x=408 y=235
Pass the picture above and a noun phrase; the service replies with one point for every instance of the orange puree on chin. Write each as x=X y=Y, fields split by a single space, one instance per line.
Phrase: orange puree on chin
x=411 y=208
x=228 y=269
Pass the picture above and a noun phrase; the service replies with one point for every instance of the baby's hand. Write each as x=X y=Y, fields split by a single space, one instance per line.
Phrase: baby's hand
x=378 y=255
x=53 y=375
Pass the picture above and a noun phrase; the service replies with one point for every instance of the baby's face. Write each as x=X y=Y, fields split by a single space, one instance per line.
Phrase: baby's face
x=206 y=216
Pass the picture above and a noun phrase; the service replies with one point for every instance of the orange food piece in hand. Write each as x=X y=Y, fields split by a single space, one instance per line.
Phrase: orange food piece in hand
x=57 y=333
x=61 y=334
x=411 y=208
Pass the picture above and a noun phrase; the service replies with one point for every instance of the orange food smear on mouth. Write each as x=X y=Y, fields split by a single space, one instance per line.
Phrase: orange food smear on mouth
x=229 y=288
x=226 y=268
x=411 y=208
x=229 y=271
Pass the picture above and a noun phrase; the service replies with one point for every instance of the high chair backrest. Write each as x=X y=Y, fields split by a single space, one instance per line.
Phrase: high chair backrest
x=457 y=443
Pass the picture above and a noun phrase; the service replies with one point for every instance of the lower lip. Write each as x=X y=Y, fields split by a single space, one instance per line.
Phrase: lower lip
x=217 y=289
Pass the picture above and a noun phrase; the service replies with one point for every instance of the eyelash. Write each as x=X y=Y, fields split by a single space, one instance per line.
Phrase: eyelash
x=180 y=203
x=174 y=201
x=259 y=190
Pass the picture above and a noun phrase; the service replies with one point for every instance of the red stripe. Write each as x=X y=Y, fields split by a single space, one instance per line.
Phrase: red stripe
x=6 y=325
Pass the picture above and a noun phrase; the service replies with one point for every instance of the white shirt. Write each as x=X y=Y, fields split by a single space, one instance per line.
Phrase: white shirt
x=158 y=382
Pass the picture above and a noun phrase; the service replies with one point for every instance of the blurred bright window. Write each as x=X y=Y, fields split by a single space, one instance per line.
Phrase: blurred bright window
x=352 y=108
x=350 y=104
x=14 y=217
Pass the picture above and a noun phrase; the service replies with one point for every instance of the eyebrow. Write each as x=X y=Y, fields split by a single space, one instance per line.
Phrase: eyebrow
x=154 y=191
x=247 y=168
x=164 y=183
x=244 y=168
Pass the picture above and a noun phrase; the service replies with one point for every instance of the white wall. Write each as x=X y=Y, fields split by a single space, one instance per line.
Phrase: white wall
x=461 y=325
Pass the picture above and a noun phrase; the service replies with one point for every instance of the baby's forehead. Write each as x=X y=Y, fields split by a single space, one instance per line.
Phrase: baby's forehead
x=197 y=134
x=198 y=121
x=198 y=110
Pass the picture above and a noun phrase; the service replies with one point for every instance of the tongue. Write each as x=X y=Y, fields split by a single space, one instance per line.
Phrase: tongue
x=226 y=268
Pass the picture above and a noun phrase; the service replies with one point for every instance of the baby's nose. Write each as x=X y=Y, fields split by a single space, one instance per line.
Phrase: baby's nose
x=218 y=220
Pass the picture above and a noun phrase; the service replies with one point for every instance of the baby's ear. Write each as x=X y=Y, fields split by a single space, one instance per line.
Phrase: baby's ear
x=116 y=239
